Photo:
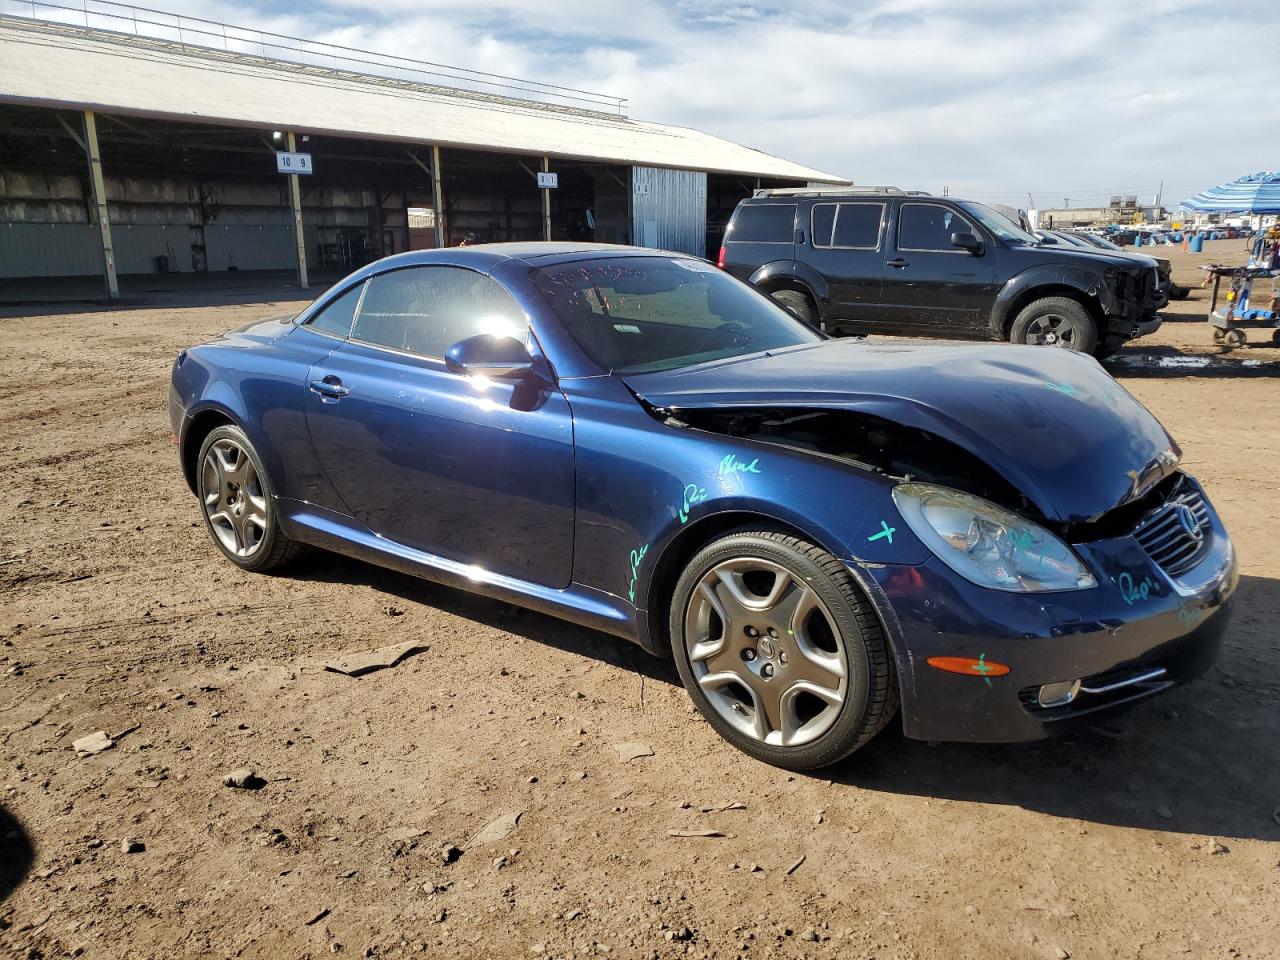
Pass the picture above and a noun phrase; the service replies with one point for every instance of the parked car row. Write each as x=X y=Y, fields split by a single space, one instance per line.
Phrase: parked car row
x=995 y=543
x=1166 y=289
x=882 y=260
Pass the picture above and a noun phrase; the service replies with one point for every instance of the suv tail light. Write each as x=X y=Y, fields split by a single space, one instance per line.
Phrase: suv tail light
x=720 y=258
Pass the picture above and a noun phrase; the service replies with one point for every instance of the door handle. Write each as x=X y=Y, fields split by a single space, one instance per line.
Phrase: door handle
x=330 y=387
x=899 y=263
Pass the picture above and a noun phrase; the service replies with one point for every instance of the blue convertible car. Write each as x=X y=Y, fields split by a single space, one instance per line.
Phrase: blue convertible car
x=996 y=539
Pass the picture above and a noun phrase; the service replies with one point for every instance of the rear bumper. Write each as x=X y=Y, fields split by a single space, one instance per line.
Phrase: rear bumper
x=1116 y=647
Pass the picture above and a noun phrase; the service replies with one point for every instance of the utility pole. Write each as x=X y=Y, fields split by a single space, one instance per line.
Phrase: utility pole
x=295 y=201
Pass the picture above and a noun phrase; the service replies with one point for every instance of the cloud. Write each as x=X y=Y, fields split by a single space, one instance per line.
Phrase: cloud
x=994 y=98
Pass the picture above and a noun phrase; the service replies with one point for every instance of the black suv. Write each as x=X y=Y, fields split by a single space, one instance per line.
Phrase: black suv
x=882 y=260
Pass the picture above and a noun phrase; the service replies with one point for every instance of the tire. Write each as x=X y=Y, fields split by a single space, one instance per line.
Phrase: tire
x=838 y=648
x=1177 y=292
x=237 y=503
x=799 y=304
x=1058 y=322
x=1235 y=338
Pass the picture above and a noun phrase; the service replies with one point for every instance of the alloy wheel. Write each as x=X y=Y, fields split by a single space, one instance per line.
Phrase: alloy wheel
x=233 y=498
x=766 y=652
x=1051 y=330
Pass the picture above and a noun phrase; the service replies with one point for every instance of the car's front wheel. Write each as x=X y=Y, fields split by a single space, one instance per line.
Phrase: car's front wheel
x=780 y=650
x=1055 y=322
x=239 y=509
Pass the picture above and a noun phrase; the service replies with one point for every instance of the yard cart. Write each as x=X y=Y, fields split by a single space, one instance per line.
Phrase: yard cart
x=1236 y=313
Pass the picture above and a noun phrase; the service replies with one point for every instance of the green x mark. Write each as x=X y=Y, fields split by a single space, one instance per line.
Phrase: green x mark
x=886 y=532
x=982 y=668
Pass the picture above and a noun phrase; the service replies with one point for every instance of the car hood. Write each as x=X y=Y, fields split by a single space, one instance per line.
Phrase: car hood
x=1068 y=252
x=1053 y=423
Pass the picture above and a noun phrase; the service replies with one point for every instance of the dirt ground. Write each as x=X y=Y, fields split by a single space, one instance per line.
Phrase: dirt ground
x=1154 y=836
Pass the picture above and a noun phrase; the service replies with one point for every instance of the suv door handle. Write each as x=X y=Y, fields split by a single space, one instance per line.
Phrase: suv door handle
x=898 y=262
x=330 y=387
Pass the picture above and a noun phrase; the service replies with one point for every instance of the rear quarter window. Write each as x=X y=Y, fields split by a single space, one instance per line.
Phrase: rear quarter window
x=763 y=223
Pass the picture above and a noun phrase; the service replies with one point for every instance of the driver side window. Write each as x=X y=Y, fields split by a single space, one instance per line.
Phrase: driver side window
x=929 y=226
x=426 y=310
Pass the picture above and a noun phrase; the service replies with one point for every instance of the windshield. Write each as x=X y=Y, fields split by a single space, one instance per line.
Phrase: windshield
x=997 y=223
x=1069 y=239
x=1102 y=242
x=637 y=314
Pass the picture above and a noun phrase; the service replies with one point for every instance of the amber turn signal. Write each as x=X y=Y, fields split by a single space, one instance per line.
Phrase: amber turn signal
x=968 y=666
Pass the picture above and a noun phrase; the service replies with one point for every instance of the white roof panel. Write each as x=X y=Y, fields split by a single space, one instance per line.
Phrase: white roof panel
x=57 y=66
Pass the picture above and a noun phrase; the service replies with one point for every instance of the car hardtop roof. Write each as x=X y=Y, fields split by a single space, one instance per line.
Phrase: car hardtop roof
x=485 y=256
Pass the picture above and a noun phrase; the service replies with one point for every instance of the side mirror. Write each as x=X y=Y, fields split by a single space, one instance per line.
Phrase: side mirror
x=489 y=355
x=967 y=241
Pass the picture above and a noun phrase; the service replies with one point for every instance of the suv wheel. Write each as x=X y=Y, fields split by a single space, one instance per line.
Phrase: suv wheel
x=780 y=651
x=799 y=304
x=1055 y=322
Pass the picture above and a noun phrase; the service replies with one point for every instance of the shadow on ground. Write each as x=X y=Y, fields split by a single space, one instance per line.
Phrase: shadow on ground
x=1204 y=753
x=547 y=630
x=17 y=852
x=1167 y=361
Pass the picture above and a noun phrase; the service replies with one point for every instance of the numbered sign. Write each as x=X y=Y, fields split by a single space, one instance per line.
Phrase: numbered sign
x=548 y=181
x=293 y=162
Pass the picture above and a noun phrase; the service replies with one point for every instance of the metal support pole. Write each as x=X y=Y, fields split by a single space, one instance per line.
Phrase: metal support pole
x=437 y=194
x=100 y=203
x=546 y=203
x=295 y=201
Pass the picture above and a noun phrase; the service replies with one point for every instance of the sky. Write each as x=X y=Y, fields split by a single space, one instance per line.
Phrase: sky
x=1015 y=101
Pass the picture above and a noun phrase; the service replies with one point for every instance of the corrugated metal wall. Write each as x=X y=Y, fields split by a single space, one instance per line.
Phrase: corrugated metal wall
x=49 y=250
x=246 y=247
x=669 y=209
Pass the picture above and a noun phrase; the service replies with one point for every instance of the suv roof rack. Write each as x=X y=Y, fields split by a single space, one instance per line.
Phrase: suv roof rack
x=838 y=191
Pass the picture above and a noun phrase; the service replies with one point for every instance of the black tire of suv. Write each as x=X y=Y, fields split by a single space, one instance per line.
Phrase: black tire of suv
x=1084 y=331
x=799 y=304
x=873 y=696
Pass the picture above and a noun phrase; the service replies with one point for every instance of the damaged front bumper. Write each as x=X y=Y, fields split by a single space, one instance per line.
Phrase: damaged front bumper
x=1138 y=633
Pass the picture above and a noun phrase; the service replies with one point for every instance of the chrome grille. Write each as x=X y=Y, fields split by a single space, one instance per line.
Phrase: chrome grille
x=1166 y=536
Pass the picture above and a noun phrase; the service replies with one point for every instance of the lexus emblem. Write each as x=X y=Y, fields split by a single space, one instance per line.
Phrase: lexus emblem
x=1190 y=524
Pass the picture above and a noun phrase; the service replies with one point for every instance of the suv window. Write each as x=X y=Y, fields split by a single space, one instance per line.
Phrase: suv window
x=426 y=310
x=337 y=316
x=764 y=223
x=929 y=226
x=849 y=225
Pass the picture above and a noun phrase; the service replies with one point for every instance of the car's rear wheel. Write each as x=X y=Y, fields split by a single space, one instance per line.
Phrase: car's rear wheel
x=1055 y=322
x=780 y=650
x=799 y=304
x=239 y=510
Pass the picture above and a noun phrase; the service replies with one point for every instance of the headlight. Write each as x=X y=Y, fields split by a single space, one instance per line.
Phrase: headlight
x=988 y=545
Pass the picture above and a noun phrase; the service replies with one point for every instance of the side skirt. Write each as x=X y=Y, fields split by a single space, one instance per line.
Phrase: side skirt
x=322 y=528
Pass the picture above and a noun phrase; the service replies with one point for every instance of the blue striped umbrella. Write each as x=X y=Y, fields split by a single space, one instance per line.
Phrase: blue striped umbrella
x=1255 y=193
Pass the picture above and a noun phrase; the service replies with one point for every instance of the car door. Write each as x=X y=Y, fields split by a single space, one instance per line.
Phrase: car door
x=845 y=247
x=928 y=282
x=477 y=471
